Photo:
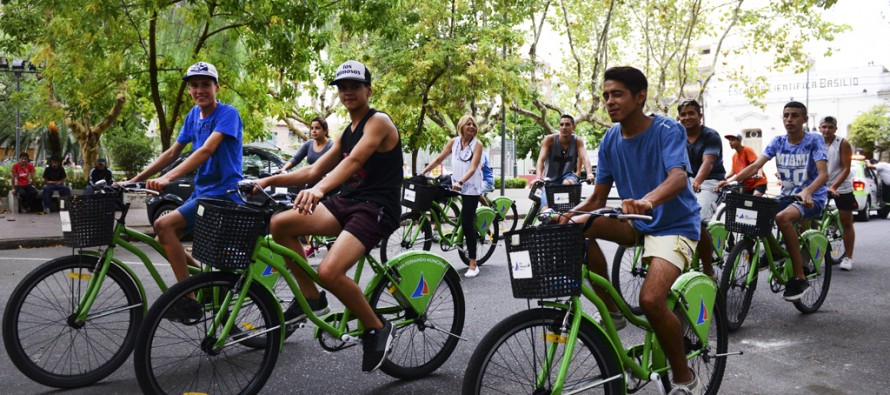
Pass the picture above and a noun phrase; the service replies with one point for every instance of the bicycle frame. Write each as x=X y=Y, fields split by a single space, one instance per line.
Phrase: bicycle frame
x=787 y=272
x=431 y=271
x=652 y=358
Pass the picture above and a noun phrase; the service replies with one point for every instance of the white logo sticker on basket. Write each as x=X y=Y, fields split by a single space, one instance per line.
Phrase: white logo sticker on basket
x=746 y=217
x=200 y=210
x=560 y=198
x=538 y=192
x=66 y=221
x=280 y=189
x=409 y=195
x=521 y=264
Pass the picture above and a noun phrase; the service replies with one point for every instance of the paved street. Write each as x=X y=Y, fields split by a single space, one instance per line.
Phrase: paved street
x=841 y=349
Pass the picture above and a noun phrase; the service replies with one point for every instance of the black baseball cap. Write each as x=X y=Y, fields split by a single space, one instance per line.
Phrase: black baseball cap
x=352 y=70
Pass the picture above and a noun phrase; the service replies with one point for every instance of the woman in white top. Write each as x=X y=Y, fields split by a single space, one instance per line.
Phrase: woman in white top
x=466 y=178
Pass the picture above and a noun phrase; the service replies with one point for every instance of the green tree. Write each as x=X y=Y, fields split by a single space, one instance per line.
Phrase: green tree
x=130 y=150
x=871 y=130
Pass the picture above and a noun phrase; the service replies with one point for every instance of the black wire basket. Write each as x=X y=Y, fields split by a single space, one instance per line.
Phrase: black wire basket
x=545 y=261
x=750 y=215
x=419 y=196
x=563 y=197
x=87 y=220
x=226 y=233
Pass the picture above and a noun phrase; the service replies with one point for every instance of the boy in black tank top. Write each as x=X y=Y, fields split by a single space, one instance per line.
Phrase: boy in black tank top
x=367 y=161
x=562 y=156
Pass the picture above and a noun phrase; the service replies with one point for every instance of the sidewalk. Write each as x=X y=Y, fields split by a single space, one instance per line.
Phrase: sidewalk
x=31 y=230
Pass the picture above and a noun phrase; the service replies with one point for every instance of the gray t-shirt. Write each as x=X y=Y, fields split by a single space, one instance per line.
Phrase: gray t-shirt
x=306 y=152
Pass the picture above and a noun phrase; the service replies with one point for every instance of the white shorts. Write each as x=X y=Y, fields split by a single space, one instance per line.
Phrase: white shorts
x=707 y=199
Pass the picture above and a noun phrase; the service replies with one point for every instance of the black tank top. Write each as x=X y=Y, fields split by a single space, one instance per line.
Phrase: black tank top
x=380 y=178
x=561 y=161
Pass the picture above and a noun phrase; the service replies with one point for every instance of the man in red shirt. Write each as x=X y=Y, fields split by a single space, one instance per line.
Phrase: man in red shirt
x=23 y=181
x=743 y=157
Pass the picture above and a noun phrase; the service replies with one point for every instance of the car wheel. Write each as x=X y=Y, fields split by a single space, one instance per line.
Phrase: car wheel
x=162 y=210
x=863 y=215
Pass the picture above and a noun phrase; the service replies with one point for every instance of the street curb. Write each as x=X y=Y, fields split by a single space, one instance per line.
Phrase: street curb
x=42 y=242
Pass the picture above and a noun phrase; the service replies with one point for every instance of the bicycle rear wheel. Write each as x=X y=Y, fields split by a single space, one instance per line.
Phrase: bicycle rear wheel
x=47 y=345
x=423 y=344
x=414 y=232
x=836 y=240
x=710 y=364
x=512 y=357
x=734 y=283
x=819 y=283
x=486 y=243
x=628 y=276
x=172 y=357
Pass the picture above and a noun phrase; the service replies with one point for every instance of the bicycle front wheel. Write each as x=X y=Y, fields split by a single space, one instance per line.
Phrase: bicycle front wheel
x=512 y=358
x=819 y=281
x=414 y=232
x=422 y=343
x=734 y=283
x=836 y=240
x=172 y=357
x=628 y=275
x=486 y=243
x=45 y=342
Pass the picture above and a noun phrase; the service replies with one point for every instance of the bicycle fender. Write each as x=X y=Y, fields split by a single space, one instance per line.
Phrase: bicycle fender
x=696 y=293
x=817 y=244
x=485 y=216
x=421 y=273
x=130 y=272
x=719 y=234
x=501 y=205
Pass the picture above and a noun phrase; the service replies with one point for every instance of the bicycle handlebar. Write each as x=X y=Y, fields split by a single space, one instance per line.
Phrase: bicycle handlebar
x=549 y=214
x=133 y=187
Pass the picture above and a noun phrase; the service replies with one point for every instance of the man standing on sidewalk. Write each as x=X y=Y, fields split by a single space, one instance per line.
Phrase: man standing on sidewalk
x=705 y=150
x=840 y=184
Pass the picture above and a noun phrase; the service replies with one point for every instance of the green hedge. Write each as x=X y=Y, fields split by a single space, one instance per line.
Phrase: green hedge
x=512 y=183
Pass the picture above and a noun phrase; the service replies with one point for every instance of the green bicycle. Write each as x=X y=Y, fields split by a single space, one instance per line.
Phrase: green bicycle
x=753 y=218
x=559 y=348
x=831 y=227
x=72 y=321
x=427 y=212
x=418 y=292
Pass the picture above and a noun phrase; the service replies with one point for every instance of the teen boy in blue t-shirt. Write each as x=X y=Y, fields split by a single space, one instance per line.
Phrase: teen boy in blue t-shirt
x=215 y=131
x=645 y=157
x=803 y=169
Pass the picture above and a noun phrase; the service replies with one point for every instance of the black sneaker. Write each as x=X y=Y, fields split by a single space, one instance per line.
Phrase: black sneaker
x=377 y=344
x=294 y=314
x=185 y=311
x=795 y=289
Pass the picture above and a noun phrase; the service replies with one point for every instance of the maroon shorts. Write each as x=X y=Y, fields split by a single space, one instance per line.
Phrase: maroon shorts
x=367 y=221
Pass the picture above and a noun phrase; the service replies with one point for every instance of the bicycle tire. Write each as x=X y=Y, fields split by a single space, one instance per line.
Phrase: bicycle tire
x=509 y=358
x=628 y=276
x=161 y=342
x=733 y=284
x=486 y=245
x=509 y=224
x=411 y=225
x=446 y=307
x=707 y=365
x=836 y=240
x=90 y=352
x=819 y=283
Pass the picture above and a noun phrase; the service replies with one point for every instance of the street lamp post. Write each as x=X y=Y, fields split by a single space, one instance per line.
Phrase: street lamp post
x=18 y=68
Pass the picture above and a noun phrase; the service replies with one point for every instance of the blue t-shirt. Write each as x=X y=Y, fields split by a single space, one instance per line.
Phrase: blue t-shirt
x=797 y=163
x=487 y=172
x=222 y=170
x=640 y=164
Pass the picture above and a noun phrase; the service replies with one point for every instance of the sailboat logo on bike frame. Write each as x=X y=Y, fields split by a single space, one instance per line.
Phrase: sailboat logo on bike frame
x=702 y=312
x=269 y=271
x=422 y=289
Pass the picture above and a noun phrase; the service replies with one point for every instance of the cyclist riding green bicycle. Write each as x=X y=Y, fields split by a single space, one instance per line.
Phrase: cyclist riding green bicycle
x=562 y=156
x=367 y=161
x=645 y=157
x=802 y=163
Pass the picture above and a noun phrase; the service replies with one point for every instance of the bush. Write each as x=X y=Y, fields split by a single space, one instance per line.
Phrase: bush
x=517 y=183
x=129 y=148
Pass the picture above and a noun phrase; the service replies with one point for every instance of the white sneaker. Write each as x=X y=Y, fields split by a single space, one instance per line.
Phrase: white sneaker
x=847 y=264
x=693 y=388
x=472 y=272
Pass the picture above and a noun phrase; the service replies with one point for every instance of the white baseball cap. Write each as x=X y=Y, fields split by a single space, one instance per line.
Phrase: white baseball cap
x=352 y=70
x=202 y=68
